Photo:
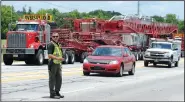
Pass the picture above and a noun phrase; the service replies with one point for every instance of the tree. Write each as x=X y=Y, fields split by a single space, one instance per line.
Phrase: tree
x=171 y=18
x=8 y=15
x=29 y=11
x=24 y=10
x=181 y=26
x=158 y=18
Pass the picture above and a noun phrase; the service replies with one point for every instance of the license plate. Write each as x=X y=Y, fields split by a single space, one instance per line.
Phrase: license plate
x=15 y=55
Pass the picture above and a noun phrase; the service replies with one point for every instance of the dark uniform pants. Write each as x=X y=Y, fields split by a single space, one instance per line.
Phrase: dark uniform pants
x=55 y=78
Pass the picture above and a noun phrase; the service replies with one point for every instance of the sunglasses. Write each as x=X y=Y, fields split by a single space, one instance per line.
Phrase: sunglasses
x=55 y=36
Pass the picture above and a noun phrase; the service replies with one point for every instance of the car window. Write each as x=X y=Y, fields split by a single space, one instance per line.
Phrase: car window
x=175 y=46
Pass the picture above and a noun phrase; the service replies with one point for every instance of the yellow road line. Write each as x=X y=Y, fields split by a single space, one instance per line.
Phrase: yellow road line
x=43 y=75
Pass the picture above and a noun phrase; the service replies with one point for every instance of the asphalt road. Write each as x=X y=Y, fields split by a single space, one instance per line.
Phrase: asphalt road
x=30 y=83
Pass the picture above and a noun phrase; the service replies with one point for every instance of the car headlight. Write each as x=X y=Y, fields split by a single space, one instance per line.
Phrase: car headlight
x=85 y=61
x=113 y=62
x=147 y=53
x=31 y=46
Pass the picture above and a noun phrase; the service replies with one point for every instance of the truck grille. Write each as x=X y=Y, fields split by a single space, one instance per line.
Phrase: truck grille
x=157 y=54
x=16 y=40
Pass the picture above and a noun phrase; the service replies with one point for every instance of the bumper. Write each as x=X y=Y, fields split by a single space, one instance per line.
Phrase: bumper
x=157 y=60
x=18 y=51
x=101 y=68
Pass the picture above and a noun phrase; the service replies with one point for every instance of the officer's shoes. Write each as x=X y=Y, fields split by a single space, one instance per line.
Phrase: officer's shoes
x=54 y=96
x=58 y=94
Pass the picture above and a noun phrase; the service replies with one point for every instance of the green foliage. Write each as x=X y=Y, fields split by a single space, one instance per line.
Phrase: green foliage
x=8 y=15
x=171 y=18
x=158 y=18
x=181 y=26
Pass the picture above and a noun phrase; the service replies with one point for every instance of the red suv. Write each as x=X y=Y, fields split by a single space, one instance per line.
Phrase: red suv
x=110 y=59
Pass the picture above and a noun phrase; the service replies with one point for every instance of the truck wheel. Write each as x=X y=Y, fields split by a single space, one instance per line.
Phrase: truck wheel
x=120 y=74
x=83 y=56
x=170 y=63
x=8 y=60
x=132 y=72
x=137 y=56
x=86 y=73
x=72 y=58
x=66 y=58
x=176 y=64
x=154 y=64
x=39 y=57
x=145 y=63
x=141 y=58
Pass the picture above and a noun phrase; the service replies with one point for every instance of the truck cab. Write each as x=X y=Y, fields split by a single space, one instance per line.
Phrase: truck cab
x=162 y=52
x=27 y=42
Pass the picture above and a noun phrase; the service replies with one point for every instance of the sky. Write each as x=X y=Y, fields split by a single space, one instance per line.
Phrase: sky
x=147 y=8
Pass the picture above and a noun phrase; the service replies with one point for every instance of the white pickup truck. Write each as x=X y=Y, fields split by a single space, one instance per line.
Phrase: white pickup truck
x=162 y=53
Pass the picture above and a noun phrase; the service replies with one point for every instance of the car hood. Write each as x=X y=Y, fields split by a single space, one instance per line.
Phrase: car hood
x=104 y=57
x=159 y=50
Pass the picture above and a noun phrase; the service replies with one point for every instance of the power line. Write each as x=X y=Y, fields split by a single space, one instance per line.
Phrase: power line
x=67 y=8
x=138 y=7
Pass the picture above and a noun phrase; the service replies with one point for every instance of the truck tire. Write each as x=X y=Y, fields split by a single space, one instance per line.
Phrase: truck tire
x=72 y=58
x=176 y=64
x=141 y=57
x=83 y=56
x=66 y=58
x=8 y=60
x=170 y=63
x=39 y=58
x=154 y=64
x=137 y=56
x=145 y=63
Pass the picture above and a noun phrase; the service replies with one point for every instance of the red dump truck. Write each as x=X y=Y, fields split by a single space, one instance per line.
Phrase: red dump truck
x=28 y=41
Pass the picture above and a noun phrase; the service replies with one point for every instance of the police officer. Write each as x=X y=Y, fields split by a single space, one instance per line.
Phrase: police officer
x=54 y=67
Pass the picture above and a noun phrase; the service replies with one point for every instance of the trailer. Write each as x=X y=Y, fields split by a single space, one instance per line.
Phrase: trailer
x=136 y=31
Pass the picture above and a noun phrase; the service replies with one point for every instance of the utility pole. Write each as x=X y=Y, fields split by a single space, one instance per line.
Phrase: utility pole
x=11 y=13
x=138 y=6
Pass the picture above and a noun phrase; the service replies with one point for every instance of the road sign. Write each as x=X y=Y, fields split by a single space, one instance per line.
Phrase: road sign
x=37 y=16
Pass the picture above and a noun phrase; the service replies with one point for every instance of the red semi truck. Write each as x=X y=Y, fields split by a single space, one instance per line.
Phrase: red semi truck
x=28 y=41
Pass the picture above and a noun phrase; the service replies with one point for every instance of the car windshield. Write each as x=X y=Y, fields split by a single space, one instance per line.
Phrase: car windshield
x=107 y=51
x=25 y=27
x=161 y=45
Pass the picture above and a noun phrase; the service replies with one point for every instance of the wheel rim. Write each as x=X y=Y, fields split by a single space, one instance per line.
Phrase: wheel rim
x=137 y=56
x=41 y=58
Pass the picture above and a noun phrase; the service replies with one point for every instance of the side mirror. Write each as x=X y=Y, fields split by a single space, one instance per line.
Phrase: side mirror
x=125 y=55
x=175 y=49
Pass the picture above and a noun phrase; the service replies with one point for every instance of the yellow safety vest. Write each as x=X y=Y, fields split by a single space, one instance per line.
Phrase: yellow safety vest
x=57 y=52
